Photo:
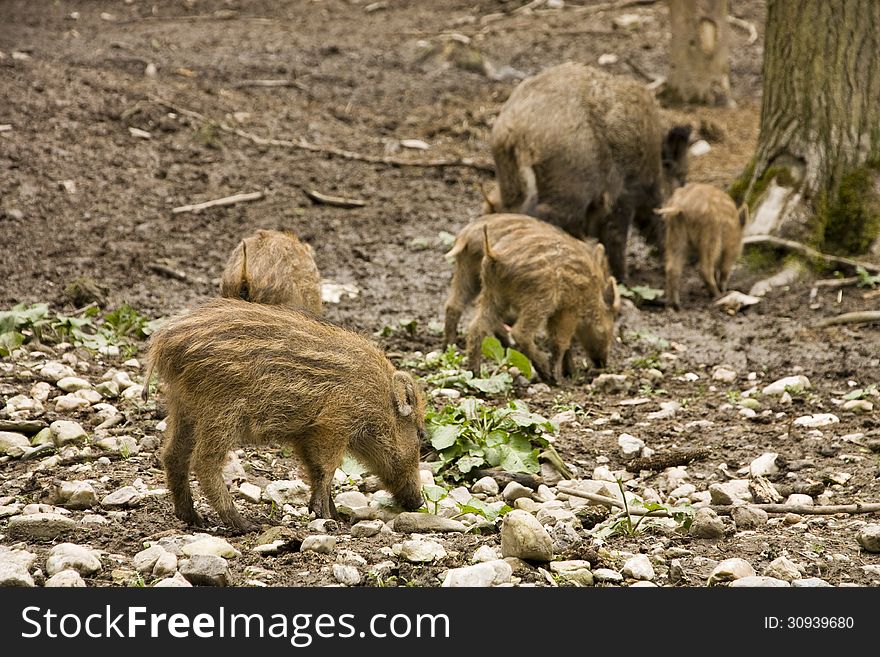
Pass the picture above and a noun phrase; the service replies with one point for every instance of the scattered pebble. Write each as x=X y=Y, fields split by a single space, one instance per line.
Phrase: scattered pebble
x=731 y=569
x=638 y=567
x=522 y=536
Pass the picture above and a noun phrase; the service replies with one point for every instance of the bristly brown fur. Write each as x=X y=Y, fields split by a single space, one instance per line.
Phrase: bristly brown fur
x=540 y=276
x=238 y=372
x=586 y=150
x=702 y=220
x=273 y=267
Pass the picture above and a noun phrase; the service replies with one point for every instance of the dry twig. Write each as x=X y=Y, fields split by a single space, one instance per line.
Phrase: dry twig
x=301 y=144
x=858 y=317
x=217 y=202
x=810 y=253
x=337 y=201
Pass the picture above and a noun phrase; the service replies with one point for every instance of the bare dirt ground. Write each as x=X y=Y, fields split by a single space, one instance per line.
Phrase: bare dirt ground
x=84 y=195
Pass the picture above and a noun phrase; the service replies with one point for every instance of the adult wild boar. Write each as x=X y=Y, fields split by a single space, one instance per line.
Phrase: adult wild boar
x=238 y=372
x=586 y=150
x=273 y=267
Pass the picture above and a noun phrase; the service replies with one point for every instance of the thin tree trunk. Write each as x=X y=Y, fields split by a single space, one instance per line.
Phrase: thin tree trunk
x=814 y=176
x=699 y=61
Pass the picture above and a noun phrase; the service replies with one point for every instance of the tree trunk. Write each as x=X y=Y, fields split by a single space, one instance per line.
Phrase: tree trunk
x=698 y=52
x=814 y=177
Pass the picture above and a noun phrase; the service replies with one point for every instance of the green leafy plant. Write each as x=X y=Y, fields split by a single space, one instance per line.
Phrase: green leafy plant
x=495 y=376
x=471 y=435
x=433 y=496
x=639 y=292
x=866 y=279
x=861 y=393
x=625 y=525
x=480 y=508
x=121 y=327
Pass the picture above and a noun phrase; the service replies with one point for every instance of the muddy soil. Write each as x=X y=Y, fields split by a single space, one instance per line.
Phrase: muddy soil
x=104 y=144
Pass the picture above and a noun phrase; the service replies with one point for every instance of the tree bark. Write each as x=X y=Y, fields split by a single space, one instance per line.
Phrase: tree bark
x=814 y=177
x=699 y=61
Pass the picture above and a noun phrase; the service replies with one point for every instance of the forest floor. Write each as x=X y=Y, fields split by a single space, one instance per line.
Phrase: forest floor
x=103 y=144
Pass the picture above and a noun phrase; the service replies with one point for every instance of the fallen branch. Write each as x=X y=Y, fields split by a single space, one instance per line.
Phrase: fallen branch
x=859 y=317
x=746 y=26
x=811 y=253
x=835 y=283
x=226 y=200
x=170 y=272
x=816 y=510
x=726 y=509
x=607 y=6
x=301 y=144
x=668 y=460
x=336 y=201
x=271 y=84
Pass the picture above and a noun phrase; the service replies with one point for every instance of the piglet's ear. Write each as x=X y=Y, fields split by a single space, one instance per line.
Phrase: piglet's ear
x=404 y=390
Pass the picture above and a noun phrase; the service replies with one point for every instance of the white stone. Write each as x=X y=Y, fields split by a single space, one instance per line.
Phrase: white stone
x=758 y=581
x=731 y=569
x=809 y=582
x=735 y=491
x=13 y=444
x=513 y=491
x=133 y=392
x=40 y=391
x=348 y=575
x=607 y=575
x=576 y=571
x=607 y=58
x=764 y=465
x=486 y=485
x=799 y=499
x=858 y=406
x=723 y=374
x=250 y=492
x=125 y=497
x=630 y=446
x=72 y=384
x=77 y=495
x=23 y=403
x=366 y=528
x=210 y=545
x=65 y=432
x=207 y=570
x=869 y=538
x=684 y=490
x=54 y=371
x=348 y=502
x=123 y=380
x=109 y=389
x=91 y=396
x=39 y=526
x=13 y=574
x=173 y=582
x=485 y=553
x=522 y=536
x=21 y=558
x=795 y=383
x=284 y=491
x=68 y=578
x=638 y=566
x=72 y=556
x=488 y=573
x=69 y=403
x=783 y=568
x=320 y=543
x=817 y=420
x=125 y=445
x=421 y=550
